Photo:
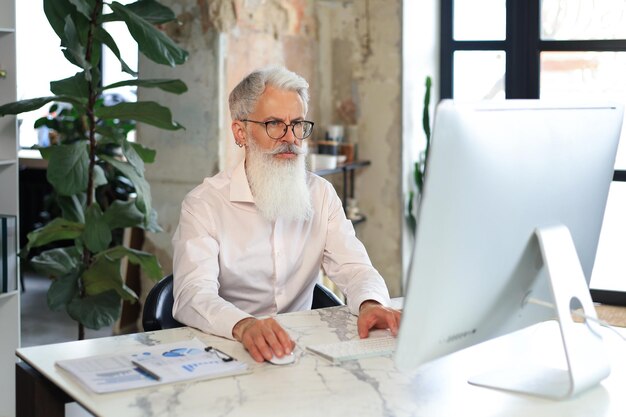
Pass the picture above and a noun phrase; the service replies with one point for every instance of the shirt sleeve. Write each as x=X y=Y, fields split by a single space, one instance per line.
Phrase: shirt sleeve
x=346 y=261
x=196 y=269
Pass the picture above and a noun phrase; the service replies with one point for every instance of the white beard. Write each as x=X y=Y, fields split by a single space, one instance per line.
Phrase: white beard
x=279 y=185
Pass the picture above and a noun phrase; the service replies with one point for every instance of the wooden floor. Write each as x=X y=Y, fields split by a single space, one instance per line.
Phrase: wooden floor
x=615 y=316
x=39 y=324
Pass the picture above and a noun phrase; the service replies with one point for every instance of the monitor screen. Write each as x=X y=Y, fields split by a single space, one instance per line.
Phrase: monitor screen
x=497 y=172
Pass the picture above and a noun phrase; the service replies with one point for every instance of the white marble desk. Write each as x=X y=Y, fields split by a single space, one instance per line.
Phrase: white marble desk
x=314 y=387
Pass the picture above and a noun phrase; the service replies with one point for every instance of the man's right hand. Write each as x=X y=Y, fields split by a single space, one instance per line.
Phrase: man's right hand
x=263 y=338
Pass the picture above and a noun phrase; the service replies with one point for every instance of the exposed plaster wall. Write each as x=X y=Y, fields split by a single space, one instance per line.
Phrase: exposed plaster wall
x=360 y=61
x=267 y=32
x=378 y=80
x=184 y=157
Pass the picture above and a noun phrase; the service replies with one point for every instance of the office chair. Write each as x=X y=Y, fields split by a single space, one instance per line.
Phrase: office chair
x=157 y=310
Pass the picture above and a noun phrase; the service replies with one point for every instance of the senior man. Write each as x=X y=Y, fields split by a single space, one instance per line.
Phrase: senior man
x=251 y=240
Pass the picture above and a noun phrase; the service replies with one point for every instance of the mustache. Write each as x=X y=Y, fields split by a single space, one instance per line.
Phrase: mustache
x=288 y=147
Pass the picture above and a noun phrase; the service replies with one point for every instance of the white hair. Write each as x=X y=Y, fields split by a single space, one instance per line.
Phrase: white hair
x=244 y=97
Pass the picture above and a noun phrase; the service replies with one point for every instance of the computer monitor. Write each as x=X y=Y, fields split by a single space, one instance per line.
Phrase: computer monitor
x=514 y=197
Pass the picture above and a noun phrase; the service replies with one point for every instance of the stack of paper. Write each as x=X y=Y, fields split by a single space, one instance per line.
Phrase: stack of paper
x=152 y=365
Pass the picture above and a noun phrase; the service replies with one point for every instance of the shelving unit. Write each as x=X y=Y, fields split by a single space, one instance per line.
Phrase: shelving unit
x=10 y=300
x=347 y=170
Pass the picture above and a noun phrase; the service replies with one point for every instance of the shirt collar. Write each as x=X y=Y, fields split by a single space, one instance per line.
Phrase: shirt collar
x=239 y=186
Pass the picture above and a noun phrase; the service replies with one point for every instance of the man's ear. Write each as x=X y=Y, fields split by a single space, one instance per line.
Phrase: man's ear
x=239 y=132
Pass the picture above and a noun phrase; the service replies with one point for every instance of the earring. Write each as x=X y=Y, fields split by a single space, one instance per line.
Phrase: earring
x=239 y=144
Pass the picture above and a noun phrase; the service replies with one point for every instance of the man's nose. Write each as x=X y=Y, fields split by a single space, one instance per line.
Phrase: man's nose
x=289 y=136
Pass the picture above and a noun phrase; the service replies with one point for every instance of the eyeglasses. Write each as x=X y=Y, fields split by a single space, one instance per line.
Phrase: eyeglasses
x=277 y=129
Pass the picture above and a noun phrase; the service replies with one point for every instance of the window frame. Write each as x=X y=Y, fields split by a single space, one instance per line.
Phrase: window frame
x=523 y=47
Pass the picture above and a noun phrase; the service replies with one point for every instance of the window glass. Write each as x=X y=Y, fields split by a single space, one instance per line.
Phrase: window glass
x=586 y=75
x=609 y=271
x=583 y=19
x=479 y=75
x=111 y=67
x=39 y=60
x=483 y=20
x=583 y=75
x=599 y=76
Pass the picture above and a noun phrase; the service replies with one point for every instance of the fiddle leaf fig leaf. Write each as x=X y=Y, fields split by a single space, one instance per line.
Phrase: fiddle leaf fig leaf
x=142 y=188
x=97 y=235
x=62 y=291
x=142 y=111
x=72 y=207
x=147 y=261
x=74 y=50
x=150 y=10
x=147 y=155
x=68 y=167
x=169 y=85
x=153 y=43
x=56 y=11
x=104 y=275
x=83 y=7
x=23 y=106
x=123 y=214
x=104 y=37
x=75 y=85
x=133 y=158
x=96 y=311
x=56 y=263
x=57 y=229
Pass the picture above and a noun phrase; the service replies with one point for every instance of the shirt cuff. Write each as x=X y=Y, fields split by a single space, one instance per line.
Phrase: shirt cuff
x=355 y=303
x=224 y=324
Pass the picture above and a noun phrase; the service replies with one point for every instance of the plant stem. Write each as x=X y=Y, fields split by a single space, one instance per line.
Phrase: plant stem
x=91 y=120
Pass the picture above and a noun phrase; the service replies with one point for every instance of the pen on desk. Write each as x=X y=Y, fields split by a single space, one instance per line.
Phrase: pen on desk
x=145 y=370
x=223 y=356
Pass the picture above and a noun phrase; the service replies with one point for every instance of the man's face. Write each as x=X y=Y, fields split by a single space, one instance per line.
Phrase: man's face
x=273 y=105
x=275 y=167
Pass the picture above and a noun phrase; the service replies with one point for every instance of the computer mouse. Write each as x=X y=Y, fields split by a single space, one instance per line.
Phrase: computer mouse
x=285 y=360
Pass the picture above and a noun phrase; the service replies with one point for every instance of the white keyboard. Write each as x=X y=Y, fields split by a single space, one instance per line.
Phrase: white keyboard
x=355 y=349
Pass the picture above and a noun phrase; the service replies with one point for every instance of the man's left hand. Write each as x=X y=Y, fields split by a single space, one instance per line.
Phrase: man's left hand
x=372 y=314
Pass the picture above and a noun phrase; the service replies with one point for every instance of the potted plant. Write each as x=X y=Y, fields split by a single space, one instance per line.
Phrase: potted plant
x=92 y=152
x=419 y=169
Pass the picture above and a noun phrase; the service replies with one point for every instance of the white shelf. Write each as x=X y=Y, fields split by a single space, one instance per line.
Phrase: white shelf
x=7 y=162
x=8 y=294
x=9 y=301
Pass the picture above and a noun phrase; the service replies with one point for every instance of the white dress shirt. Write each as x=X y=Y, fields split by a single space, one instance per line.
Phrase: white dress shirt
x=231 y=263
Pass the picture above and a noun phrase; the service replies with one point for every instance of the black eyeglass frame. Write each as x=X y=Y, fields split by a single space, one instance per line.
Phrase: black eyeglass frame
x=286 y=127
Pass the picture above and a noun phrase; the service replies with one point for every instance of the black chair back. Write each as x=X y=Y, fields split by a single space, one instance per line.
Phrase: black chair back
x=324 y=297
x=157 y=310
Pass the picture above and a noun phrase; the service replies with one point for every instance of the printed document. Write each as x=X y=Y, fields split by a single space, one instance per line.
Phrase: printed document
x=152 y=365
